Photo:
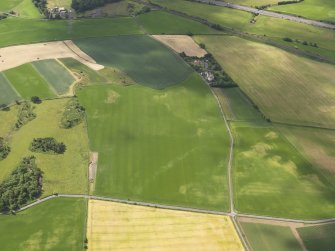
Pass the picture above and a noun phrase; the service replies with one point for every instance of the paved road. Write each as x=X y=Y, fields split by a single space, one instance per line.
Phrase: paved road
x=270 y=13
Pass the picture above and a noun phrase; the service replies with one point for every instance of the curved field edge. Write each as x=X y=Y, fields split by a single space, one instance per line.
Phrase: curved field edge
x=145 y=60
x=56 y=225
x=159 y=145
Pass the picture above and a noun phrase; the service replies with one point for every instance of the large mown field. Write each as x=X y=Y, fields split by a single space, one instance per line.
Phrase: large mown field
x=144 y=59
x=114 y=226
x=159 y=146
x=56 y=225
x=292 y=90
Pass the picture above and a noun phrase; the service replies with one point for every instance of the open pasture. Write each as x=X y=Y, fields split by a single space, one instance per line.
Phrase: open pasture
x=56 y=74
x=55 y=225
x=165 y=146
x=7 y=5
x=292 y=90
x=254 y=2
x=8 y=94
x=15 y=31
x=160 y=22
x=28 y=82
x=65 y=173
x=144 y=59
x=59 y=3
x=319 y=237
x=270 y=237
x=323 y=10
x=114 y=226
x=272 y=178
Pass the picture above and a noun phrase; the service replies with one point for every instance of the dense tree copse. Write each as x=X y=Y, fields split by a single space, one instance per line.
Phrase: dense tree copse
x=25 y=114
x=83 y=5
x=73 y=114
x=4 y=148
x=47 y=145
x=23 y=185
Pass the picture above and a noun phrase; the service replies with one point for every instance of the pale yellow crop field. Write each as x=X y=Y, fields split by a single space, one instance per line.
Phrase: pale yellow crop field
x=115 y=226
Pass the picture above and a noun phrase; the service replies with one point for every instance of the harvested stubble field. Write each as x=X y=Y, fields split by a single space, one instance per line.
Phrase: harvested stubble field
x=144 y=59
x=114 y=226
x=65 y=173
x=159 y=145
x=182 y=43
x=292 y=90
x=55 y=225
x=272 y=178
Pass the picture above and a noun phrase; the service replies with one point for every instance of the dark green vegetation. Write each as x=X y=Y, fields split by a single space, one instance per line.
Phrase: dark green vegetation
x=25 y=114
x=47 y=145
x=28 y=82
x=270 y=238
x=23 y=185
x=159 y=22
x=83 y=5
x=55 y=225
x=272 y=178
x=144 y=59
x=73 y=114
x=318 y=238
x=4 y=148
x=57 y=75
x=209 y=68
x=166 y=146
x=7 y=94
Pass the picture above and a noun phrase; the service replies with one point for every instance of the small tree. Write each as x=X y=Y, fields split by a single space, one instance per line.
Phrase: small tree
x=36 y=100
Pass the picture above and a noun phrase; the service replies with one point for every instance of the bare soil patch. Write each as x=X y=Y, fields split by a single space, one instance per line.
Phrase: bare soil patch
x=182 y=43
x=14 y=56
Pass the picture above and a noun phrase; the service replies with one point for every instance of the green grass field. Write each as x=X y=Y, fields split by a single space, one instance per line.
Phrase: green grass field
x=27 y=9
x=24 y=31
x=254 y=2
x=237 y=106
x=318 y=238
x=272 y=178
x=55 y=225
x=6 y=5
x=28 y=82
x=59 y=3
x=159 y=146
x=268 y=28
x=56 y=74
x=159 y=22
x=292 y=90
x=66 y=173
x=314 y=9
x=317 y=145
x=270 y=238
x=7 y=94
x=144 y=59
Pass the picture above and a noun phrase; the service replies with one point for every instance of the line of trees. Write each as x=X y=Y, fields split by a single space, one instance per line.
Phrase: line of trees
x=83 y=5
x=23 y=185
x=25 y=114
x=47 y=145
